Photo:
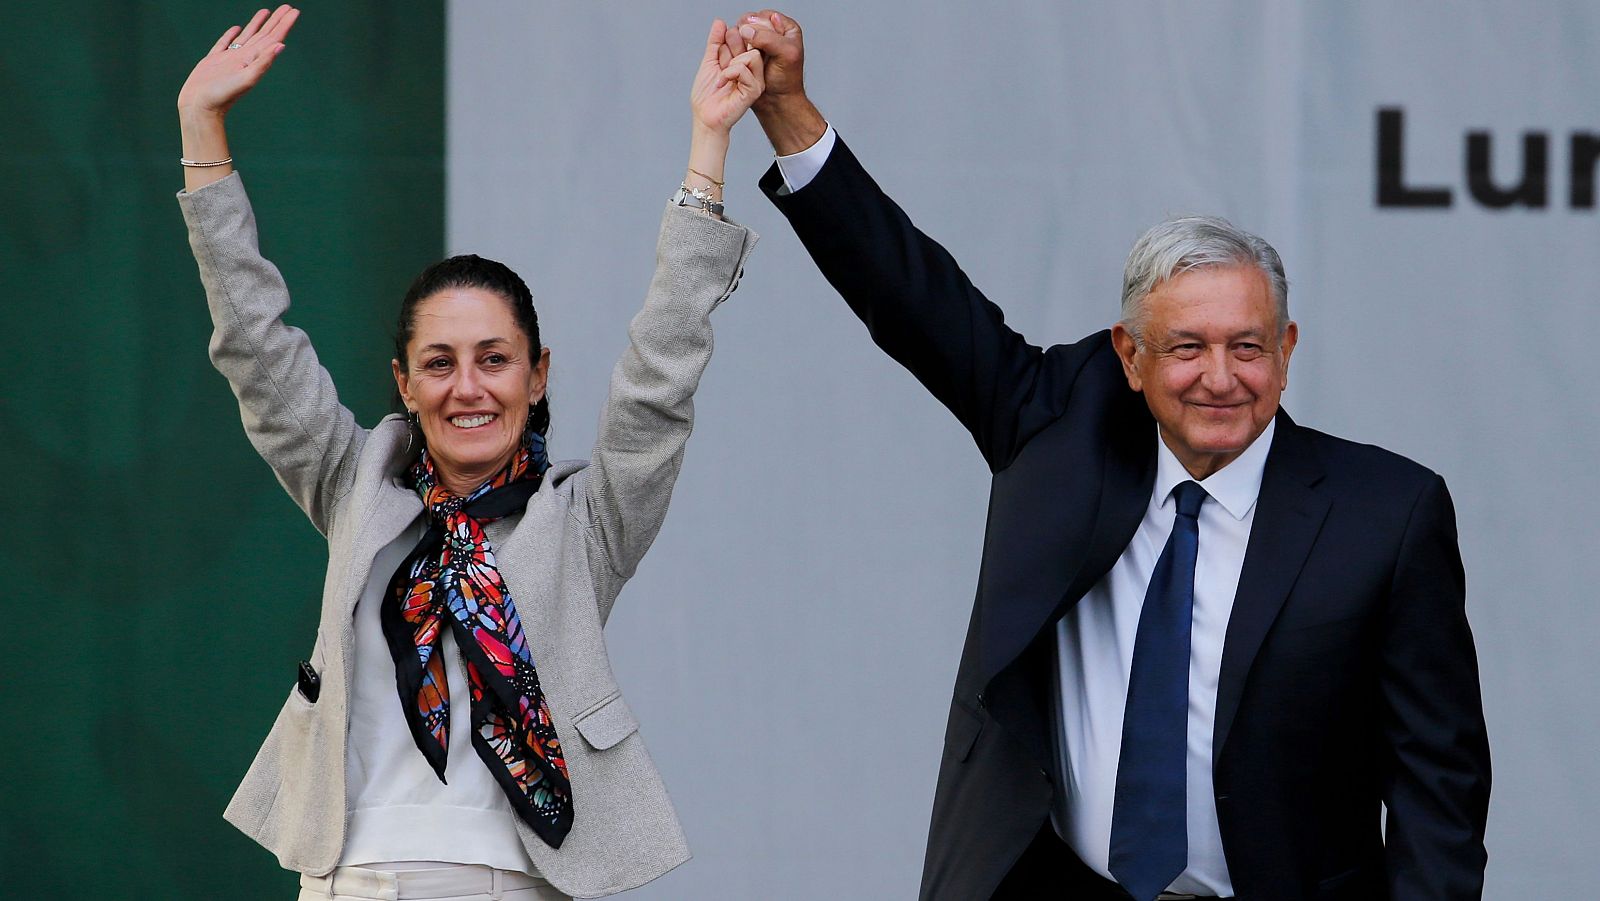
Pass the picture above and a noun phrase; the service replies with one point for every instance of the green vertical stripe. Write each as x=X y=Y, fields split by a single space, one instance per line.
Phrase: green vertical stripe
x=161 y=585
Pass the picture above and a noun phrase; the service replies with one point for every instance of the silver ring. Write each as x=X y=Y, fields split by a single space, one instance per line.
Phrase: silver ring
x=235 y=46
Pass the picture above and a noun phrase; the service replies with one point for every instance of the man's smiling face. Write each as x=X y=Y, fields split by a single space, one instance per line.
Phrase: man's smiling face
x=1211 y=361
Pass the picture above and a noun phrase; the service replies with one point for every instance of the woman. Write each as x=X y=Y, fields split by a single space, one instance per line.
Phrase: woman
x=457 y=731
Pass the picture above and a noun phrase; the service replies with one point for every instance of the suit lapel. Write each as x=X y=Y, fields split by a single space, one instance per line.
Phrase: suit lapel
x=1125 y=487
x=1050 y=577
x=1289 y=515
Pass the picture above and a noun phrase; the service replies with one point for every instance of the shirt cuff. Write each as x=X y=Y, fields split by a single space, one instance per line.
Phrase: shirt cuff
x=798 y=169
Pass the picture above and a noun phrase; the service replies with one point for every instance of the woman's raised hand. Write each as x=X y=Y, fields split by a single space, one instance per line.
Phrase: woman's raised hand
x=725 y=85
x=236 y=62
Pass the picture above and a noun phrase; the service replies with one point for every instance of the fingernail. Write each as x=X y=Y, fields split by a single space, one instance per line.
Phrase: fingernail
x=747 y=31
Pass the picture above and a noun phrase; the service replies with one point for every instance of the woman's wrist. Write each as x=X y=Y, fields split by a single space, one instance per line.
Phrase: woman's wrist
x=205 y=140
x=201 y=128
x=708 y=153
x=709 y=138
x=199 y=121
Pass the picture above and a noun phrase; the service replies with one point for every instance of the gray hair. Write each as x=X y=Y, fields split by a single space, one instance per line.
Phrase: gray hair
x=1187 y=243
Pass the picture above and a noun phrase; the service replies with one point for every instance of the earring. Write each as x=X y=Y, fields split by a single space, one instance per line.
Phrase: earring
x=412 y=427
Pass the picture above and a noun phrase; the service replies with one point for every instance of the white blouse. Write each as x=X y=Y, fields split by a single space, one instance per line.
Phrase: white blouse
x=397 y=808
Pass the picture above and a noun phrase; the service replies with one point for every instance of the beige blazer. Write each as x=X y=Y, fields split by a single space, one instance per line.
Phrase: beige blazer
x=565 y=558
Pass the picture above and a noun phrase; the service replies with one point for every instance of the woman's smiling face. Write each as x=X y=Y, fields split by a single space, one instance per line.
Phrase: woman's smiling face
x=470 y=376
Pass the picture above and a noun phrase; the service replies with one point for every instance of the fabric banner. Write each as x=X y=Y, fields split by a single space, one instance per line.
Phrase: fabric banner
x=1426 y=170
x=165 y=584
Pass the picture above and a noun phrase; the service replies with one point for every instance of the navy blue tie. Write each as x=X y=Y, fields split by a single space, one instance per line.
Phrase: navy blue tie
x=1150 y=820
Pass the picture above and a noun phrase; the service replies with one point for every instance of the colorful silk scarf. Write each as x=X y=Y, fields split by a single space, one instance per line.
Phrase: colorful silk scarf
x=450 y=580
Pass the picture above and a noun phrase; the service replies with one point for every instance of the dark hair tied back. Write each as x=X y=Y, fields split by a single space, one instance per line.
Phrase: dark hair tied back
x=472 y=271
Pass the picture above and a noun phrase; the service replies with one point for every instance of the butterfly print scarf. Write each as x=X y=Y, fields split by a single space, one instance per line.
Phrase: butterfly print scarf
x=449 y=581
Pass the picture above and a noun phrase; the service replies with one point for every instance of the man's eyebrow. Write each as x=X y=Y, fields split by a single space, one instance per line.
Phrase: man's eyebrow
x=1182 y=335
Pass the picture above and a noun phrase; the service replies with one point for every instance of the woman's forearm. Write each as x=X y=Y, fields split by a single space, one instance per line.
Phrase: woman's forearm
x=205 y=140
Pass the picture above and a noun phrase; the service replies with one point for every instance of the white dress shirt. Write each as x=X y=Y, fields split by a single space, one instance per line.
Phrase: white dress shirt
x=1094 y=644
x=798 y=169
x=1095 y=639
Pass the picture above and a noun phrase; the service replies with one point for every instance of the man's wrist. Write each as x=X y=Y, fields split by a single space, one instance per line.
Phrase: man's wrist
x=792 y=123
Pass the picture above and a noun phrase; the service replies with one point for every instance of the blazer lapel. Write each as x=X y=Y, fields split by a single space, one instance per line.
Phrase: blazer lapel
x=393 y=509
x=1289 y=515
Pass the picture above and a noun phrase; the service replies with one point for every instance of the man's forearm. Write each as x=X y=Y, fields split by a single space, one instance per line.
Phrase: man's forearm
x=792 y=124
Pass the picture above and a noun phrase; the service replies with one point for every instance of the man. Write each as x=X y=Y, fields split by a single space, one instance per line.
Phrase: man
x=1210 y=646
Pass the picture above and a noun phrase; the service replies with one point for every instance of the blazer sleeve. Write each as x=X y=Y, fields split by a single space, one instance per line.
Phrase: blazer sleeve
x=1437 y=791
x=922 y=310
x=287 y=401
x=649 y=410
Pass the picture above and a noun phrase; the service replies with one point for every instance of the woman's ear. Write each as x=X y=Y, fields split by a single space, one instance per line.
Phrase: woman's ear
x=541 y=377
x=402 y=383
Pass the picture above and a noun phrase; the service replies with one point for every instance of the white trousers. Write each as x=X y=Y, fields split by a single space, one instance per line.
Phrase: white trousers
x=466 y=882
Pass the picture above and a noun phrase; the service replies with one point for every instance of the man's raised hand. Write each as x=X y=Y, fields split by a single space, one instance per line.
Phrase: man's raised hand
x=782 y=46
x=788 y=117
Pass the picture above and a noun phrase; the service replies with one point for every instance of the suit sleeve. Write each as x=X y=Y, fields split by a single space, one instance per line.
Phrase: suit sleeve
x=917 y=304
x=1437 y=790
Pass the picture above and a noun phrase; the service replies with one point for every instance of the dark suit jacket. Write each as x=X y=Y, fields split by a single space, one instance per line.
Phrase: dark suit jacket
x=1349 y=679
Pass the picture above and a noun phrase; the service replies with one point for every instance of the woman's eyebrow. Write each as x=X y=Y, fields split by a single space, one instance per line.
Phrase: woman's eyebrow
x=487 y=342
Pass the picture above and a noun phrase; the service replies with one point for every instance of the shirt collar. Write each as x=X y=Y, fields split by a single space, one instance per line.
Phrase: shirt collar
x=1235 y=486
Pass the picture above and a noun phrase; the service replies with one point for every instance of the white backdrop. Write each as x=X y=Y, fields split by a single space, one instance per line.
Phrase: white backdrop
x=791 y=641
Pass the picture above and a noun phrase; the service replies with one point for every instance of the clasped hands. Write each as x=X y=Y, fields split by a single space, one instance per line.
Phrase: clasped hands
x=763 y=53
x=779 y=40
x=791 y=121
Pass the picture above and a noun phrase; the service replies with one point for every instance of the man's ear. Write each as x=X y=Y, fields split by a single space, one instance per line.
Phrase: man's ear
x=1291 y=336
x=1122 y=341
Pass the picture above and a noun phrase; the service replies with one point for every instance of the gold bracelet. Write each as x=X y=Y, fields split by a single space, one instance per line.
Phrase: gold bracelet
x=705 y=176
x=196 y=164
